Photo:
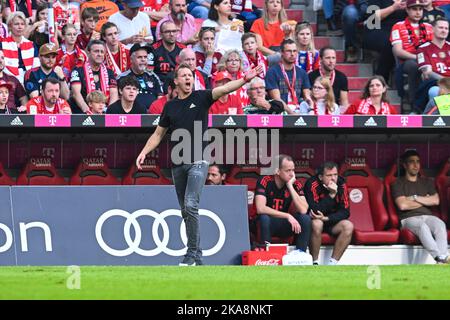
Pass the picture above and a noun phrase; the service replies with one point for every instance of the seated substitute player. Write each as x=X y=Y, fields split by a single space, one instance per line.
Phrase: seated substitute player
x=327 y=197
x=414 y=195
x=273 y=197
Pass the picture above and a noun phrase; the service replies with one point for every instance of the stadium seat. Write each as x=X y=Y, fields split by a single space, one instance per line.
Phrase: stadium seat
x=40 y=171
x=198 y=24
x=406 y=236
x=5 y=179
x=246 y=175
x=93 y=171
x=367 y=211
x=303 y=172
x=149 y=175
x=442 y=182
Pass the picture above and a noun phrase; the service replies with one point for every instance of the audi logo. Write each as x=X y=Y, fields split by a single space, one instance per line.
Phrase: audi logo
x=159 y=220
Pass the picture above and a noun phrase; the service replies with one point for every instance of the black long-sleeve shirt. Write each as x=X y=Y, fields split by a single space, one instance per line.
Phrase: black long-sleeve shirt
x=318 y=198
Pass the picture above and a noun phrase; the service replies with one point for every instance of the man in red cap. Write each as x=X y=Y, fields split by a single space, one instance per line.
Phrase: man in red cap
x=406 y=37
x=5 y=89
x=226 y=104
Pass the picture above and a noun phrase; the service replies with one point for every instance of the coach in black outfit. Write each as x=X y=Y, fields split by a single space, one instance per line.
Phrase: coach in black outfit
x=329 y=205
x=188 y=110
x=273 y=197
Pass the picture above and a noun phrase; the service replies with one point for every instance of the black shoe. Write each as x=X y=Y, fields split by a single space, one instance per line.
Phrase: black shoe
x=332 y=28
x=445 y=260
x=198 y=262
x=351 y=55
x=187 y=261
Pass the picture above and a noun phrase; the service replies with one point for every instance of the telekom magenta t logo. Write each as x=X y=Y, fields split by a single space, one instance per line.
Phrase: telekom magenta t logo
x=308 y=153
x=265 y=121
x=123 y=120
x=52 y=120
x=404 y=120
x=335 y=121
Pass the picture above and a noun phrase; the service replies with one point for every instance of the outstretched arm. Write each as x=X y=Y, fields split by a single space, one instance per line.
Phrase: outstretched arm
x=235 y=84
x=152 y=143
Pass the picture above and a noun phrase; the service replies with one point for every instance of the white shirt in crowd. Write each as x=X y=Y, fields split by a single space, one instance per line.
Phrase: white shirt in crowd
x=128 y=28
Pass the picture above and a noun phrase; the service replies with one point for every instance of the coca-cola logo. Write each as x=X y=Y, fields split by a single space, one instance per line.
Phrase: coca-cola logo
x=270 y=262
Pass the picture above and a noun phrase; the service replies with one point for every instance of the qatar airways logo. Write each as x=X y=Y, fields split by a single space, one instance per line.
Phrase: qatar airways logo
x=269 y=262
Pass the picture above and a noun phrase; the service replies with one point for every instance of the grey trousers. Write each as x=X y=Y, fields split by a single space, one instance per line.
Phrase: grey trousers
x=431 y=231
x=189 y=180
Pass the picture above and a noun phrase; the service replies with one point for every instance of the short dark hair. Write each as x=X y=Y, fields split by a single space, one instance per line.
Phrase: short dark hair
x=327 y=165
x=169 y=82
x=93 y=43
x=286 y=42
x=181 y=66
x=435 y=22
x=407 y=154
x=247 y=35
x=89 y=12
x=282 y=157
x=219 y=167
x=106 y=26
x=128 y=81
x=51 y=80
x=322 y=50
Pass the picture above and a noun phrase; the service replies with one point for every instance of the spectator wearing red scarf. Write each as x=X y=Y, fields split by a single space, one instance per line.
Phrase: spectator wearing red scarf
x=374 y=99
x=49 y=102
x=406 y=37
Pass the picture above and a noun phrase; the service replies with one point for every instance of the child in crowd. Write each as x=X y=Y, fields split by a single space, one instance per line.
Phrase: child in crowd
x=96 y=101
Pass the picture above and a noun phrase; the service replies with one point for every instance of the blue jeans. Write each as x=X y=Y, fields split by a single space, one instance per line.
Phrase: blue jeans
x=189 y=180
x=280 y=227
x=446 y=9
x=328 y=7
x=351 y=15
x=198 y=11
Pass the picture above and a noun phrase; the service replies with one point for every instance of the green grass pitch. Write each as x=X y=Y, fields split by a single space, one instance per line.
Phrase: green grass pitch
x=228 y=282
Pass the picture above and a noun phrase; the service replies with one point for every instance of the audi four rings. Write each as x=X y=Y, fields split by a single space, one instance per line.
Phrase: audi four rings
x=159 y=220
